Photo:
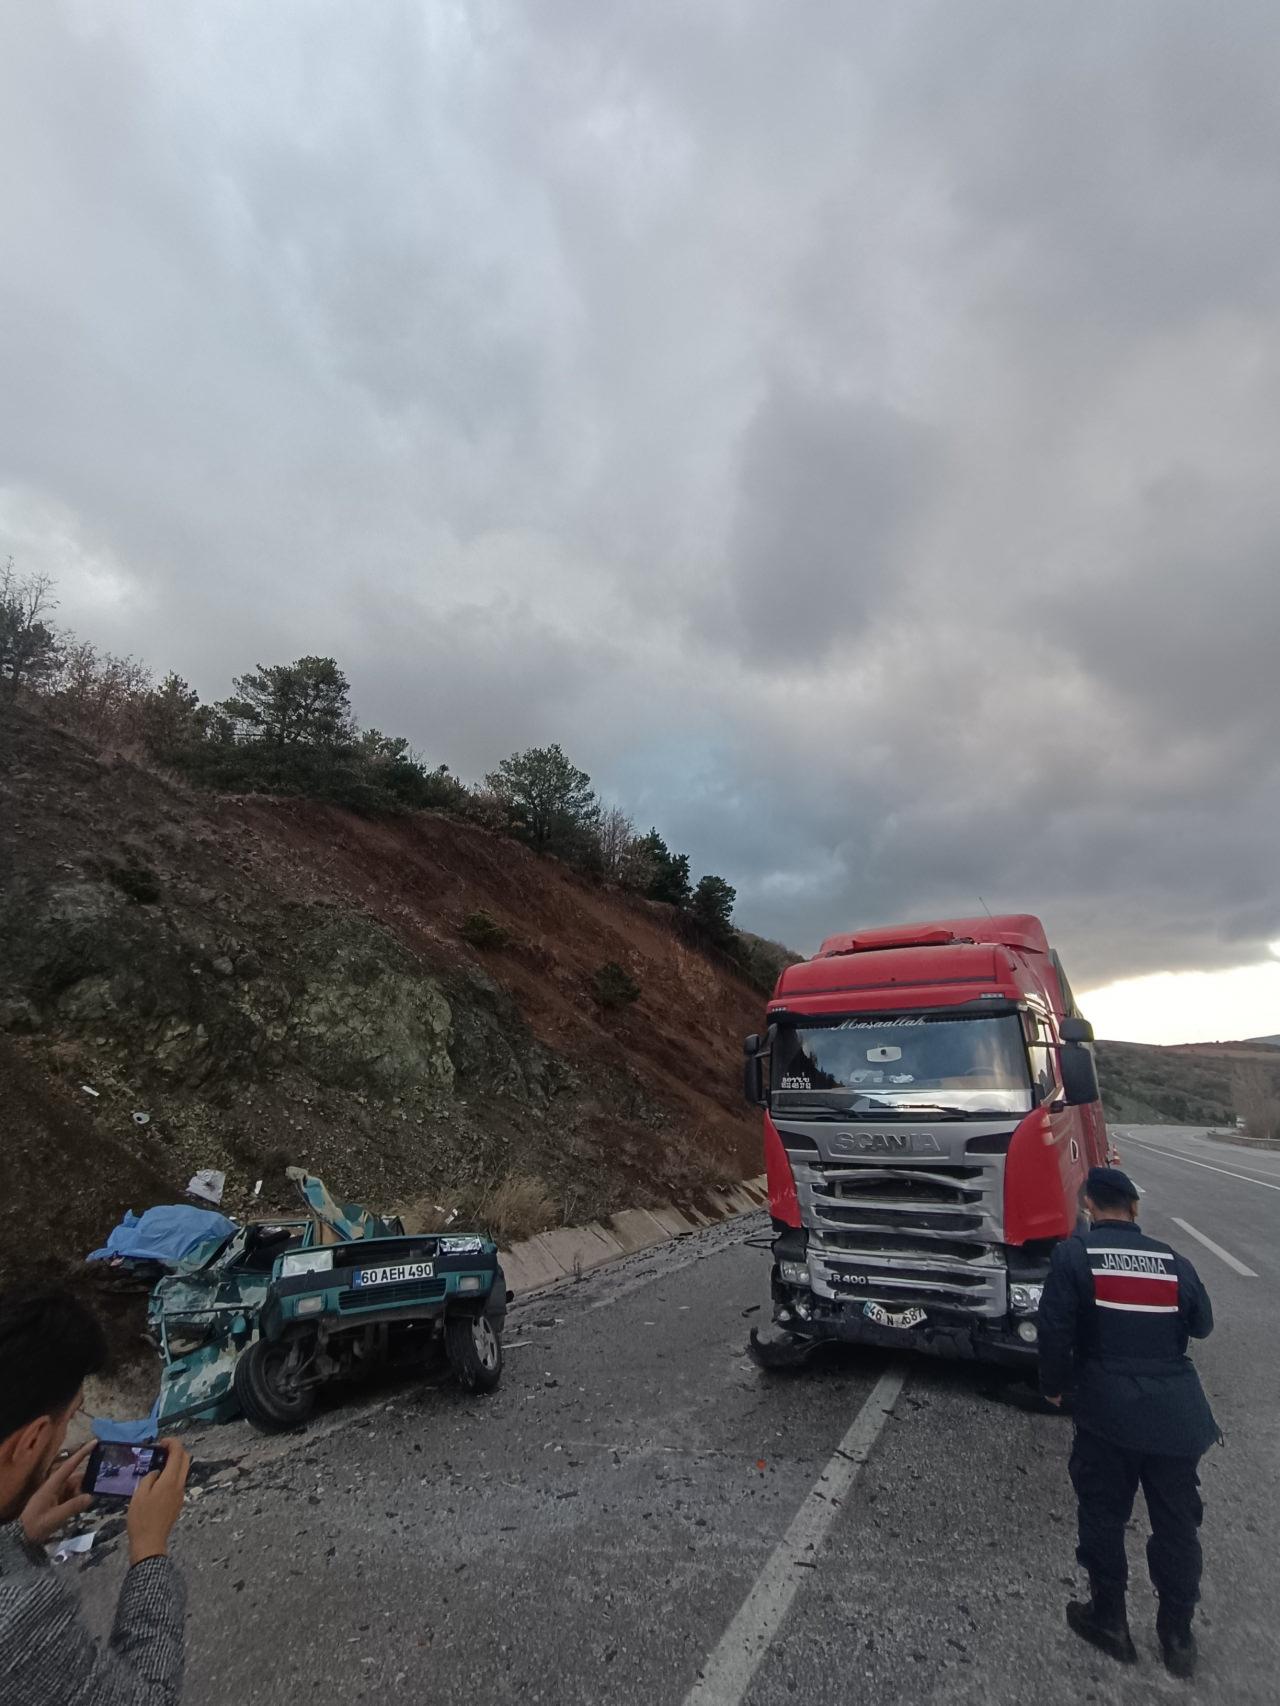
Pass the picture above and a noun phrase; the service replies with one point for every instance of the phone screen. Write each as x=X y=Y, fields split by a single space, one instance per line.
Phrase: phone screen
x=115 y=1470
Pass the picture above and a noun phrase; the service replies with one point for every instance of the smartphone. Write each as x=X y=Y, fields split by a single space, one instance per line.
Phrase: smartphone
x=114 y=1470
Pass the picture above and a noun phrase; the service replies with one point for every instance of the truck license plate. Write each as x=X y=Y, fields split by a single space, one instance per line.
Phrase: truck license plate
x=893 y=1317
x=389 y=1276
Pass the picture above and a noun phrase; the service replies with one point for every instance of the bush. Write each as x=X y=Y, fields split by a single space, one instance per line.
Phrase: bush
x=516 y=1208
x=762 y=961
x=482 y=931
x=614 y=987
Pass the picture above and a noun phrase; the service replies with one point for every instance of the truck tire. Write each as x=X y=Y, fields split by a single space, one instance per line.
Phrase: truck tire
x=269 y=1397
x=473 y=1345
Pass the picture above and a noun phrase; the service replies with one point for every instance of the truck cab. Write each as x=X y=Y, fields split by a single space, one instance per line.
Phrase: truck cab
x=930 y=1108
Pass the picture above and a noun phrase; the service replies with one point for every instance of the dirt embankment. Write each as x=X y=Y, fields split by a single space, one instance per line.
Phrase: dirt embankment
x=270 y=982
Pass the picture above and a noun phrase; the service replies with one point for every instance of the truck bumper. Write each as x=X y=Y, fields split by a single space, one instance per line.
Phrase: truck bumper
x=794 y=1341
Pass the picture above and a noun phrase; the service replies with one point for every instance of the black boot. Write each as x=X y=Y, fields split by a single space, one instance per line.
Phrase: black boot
x=1102 y=1622
x=1177 y=1643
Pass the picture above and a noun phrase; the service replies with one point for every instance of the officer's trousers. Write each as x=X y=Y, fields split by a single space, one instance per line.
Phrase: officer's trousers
x=1106 y=1479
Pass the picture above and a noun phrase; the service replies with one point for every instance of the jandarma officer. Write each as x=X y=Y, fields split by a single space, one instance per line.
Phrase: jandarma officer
x=1115 y=1318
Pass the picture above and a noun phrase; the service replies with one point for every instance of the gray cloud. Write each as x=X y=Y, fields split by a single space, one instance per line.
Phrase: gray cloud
x=832 y=491
x=847 y=430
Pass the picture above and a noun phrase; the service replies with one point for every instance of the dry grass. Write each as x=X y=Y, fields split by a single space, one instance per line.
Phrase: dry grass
x=426 y=1215
x=516 y=1207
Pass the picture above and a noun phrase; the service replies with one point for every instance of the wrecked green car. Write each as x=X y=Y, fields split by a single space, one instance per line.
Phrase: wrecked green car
x=259 y=1322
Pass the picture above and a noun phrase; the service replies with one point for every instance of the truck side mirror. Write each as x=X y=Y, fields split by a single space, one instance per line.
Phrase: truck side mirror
x=1079 y=1075
x=1075 y=1031
x=752 y=1071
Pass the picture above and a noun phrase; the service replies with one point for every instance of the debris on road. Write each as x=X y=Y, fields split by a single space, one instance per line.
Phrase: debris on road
x=90 y=1091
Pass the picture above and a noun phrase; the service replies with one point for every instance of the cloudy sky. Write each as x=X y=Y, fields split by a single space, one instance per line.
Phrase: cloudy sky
x=847 y=428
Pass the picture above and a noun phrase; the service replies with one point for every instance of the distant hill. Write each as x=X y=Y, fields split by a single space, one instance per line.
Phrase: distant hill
x=1265 y=1042
x=1185 y=1084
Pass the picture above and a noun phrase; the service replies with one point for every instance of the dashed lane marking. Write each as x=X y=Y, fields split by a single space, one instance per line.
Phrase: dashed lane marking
x=728 y=1672
x=1224 y=1255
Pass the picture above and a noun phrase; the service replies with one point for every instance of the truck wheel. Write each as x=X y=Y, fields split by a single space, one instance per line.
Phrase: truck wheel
x=266 y=1382
x=474 y=1348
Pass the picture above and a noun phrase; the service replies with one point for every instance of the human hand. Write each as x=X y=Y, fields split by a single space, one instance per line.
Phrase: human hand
x=155 y=1507
x=57 y=1499
x=1056 y=1402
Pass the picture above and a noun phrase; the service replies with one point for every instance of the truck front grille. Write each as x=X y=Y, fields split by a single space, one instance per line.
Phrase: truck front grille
x=926 y=1232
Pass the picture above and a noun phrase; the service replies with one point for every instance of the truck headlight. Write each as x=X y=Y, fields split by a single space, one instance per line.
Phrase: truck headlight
x=1025 y=1299
x=794 y=1273
x=305 y=1262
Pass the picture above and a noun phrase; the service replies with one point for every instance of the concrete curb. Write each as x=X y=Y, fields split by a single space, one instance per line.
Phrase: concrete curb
x=568 y=1252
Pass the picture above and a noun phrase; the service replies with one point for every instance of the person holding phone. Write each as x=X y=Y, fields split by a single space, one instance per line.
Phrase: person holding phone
x=48 y=1345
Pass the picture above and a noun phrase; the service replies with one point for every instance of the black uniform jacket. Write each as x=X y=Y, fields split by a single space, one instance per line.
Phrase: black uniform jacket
x=1117 y=1311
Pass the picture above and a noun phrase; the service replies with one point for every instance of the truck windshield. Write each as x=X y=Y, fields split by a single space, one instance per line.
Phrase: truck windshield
x=874 y=1066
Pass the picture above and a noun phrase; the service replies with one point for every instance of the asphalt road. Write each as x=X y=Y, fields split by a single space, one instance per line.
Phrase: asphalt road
x=610 y=1526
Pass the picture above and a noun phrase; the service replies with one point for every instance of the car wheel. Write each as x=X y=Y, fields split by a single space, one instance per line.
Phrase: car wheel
x=266 y=1381
x=474 y=1348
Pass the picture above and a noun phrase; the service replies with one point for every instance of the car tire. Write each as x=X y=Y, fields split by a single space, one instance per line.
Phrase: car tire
x=269 y=1398
x=473 y=1345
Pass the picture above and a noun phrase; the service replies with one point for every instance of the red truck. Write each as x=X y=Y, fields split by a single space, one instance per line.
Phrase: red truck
x=931 y=1109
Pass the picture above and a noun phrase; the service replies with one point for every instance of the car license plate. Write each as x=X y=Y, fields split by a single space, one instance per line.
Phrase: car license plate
x=893 y=1317
x=390 y=1276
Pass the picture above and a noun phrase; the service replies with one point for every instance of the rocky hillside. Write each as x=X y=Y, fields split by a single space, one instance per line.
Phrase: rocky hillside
x=412 y=1007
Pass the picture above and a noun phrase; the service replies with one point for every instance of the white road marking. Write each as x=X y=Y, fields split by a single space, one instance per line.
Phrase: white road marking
x=1173 y=1155
x=1217 y=1249
x=727 y=1674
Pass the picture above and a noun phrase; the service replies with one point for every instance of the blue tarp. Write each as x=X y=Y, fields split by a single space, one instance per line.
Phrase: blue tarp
x=140 y=1432
x=164 y=1234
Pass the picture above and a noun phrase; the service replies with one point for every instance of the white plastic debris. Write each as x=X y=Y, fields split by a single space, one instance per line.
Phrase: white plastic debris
x=140 y=1118
x=72 y=1546
x=257 y=1189
x=89 y=1090
x=207 y=1185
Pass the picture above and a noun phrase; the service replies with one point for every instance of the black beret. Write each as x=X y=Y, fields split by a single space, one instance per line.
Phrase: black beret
x=1112 y=1179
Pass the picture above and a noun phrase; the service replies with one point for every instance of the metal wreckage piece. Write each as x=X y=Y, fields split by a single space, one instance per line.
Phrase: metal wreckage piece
x=255 y=1323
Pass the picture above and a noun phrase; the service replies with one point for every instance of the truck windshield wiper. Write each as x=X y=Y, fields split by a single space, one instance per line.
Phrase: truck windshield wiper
x=868 y=1110
x=822 y=1113
x=881 y=1110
